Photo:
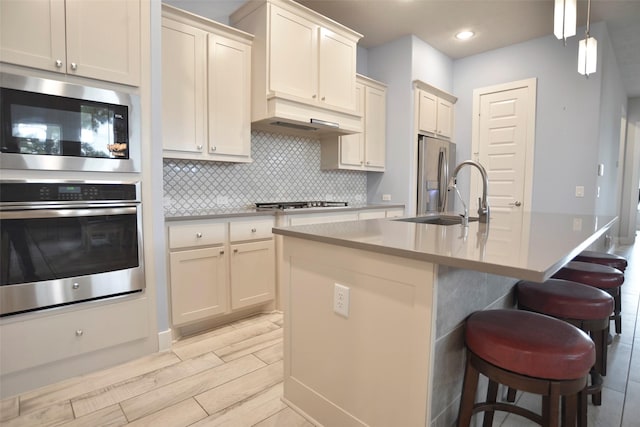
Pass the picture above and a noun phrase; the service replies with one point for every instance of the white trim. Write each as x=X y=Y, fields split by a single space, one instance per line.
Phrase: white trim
x=165 y=338
x=532 y=86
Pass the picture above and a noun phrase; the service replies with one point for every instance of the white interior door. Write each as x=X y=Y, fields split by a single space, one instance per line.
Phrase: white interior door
x=504 y=125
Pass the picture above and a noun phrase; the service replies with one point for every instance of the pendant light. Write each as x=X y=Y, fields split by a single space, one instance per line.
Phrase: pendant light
x=564 y=19
x=587 y=50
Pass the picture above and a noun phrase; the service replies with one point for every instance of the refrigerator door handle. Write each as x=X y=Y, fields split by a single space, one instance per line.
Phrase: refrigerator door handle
x=443 y=174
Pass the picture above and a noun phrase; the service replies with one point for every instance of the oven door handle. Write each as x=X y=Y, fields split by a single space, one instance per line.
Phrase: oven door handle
x=67 y=213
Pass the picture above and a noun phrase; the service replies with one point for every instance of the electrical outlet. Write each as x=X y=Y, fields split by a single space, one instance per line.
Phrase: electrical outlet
x=579 y=191
x=341 y=300
x=386 y=197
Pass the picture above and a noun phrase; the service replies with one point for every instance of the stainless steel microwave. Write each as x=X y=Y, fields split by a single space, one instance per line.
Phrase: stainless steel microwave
x=54 y=125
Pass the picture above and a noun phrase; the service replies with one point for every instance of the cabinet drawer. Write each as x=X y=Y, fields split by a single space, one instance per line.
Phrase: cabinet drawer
x=251 y=230
x=371 y=214
x=47 y=339
x=190 y=235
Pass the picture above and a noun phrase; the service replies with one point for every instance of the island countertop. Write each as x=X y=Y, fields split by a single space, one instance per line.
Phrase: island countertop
x=527 y=245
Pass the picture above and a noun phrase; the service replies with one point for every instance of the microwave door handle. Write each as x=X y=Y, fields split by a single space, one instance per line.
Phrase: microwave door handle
x=68 y=213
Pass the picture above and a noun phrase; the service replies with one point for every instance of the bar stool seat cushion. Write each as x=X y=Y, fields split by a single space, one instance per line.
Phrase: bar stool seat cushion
x=603 y=258
x=530 y=344
x=598 y=275
x=565 y=299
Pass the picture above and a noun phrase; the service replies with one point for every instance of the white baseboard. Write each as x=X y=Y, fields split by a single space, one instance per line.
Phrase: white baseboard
x=165 y=338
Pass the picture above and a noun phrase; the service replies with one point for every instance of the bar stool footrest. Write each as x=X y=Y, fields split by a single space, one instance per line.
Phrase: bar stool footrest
x=507 y=407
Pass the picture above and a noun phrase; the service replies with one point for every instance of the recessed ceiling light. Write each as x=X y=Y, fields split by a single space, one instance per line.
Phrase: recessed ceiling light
x=465 y=35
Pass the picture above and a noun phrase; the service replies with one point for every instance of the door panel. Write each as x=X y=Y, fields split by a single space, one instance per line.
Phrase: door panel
x=503 y=146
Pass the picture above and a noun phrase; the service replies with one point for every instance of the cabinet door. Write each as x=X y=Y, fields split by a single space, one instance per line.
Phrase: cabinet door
x=428 y=110
x=103 y=40
x=252 y=273
x=445 y=113
x=184 y=102
x=352 y=146
x=229 y=83
x=32 y=33
x=375 y=128
x=337 y=70
x=198 y=284
x=293 y=64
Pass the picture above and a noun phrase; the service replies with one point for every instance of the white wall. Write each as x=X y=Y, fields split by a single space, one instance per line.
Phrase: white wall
x=629 y=203
x=568 y=131
x=398 y=64
x=391 y=64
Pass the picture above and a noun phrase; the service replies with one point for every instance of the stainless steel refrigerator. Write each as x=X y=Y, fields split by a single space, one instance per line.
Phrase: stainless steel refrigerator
x=436 y=160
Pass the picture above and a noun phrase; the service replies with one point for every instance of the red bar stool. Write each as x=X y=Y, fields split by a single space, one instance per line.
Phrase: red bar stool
x=585 y=307
x=610 y=260
x=530 y=352
x=600 y=276
x=604 y=258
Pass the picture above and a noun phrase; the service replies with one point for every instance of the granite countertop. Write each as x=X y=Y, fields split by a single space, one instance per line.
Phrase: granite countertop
x=529 y=246
x=251 y=211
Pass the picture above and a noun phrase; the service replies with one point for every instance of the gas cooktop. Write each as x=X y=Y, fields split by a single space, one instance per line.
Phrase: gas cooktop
x=299 y=205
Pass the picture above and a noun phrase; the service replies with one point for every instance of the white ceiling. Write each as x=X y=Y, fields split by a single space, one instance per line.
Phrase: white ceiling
x=496 y=24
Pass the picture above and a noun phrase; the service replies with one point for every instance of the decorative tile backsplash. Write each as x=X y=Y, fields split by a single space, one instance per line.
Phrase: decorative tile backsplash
x=284 y=168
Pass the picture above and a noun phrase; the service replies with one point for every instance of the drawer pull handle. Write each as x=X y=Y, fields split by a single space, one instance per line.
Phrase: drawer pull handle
x=253 y=230
x=199 y=235
x=79 y=332
x=75 y=286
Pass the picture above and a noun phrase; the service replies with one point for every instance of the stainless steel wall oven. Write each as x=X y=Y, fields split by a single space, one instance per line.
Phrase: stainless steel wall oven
x=64 y=242
x=53 y=125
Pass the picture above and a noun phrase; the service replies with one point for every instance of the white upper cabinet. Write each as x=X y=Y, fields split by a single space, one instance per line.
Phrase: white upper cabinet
x=98 y=39
x=206 y=86
x=364 y=150
x=434 y=110
x=303 y=68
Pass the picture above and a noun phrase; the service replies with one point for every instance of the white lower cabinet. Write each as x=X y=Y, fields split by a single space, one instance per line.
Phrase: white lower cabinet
x=47 y=339
x=253 y=275
x=198 y=284
x=217 y=267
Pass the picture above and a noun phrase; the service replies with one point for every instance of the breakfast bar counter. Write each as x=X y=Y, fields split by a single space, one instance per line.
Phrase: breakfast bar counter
x=374 y=310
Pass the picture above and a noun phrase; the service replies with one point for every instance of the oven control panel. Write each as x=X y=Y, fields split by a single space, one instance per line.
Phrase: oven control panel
x=65 y=192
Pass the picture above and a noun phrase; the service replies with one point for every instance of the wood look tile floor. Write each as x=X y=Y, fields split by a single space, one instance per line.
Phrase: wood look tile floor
x=232 y=376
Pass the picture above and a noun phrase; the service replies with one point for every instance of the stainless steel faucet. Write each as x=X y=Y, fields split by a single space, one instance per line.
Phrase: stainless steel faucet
x=483 y=205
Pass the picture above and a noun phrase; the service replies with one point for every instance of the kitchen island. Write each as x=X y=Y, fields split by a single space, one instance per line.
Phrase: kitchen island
x=397 y=356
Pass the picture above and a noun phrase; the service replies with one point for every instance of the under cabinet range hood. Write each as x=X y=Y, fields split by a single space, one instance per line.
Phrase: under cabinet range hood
x=303 y=78
x=284 y=115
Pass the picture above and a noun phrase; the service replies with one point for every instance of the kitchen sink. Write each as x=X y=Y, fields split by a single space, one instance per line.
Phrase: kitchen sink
x=437 y=219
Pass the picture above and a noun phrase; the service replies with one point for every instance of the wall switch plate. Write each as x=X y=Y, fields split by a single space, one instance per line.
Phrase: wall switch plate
x=579 y=191
x=341 y=300
x=386 y=197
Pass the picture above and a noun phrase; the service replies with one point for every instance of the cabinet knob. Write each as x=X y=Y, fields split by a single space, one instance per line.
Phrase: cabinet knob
x=253 y=230
x=235 y=251
x=74 y=66
x=75 y=286
x=314 y=96
x=199 y=235
x=58 y=63
x=221 y=252
x=213 y=148
x=368 y=162
x=323 y=98
x=517 y=203
x=79 y=332
x=199 y=147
